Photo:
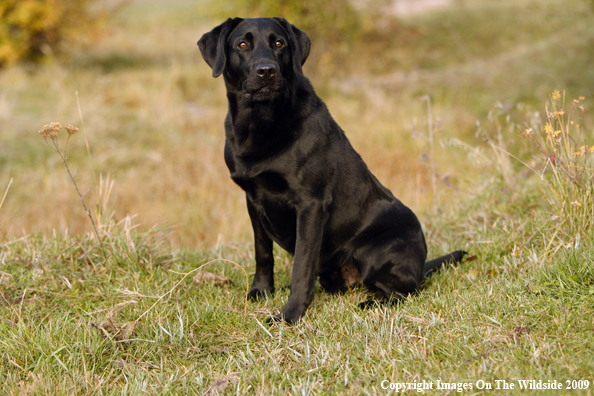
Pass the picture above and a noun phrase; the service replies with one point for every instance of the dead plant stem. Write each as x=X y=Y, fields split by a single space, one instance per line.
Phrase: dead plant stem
x=81 y=195
x=6 y=192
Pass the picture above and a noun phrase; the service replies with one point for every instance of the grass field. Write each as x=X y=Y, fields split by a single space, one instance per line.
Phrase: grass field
x=510 y=85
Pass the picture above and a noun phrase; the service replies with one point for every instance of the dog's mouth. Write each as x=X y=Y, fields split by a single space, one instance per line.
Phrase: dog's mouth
x=265 y=92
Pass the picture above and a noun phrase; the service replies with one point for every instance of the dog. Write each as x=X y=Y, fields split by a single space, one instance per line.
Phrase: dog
x=306 y=188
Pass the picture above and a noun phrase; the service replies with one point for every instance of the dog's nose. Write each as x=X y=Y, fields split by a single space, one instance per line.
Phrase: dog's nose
x=266 y=70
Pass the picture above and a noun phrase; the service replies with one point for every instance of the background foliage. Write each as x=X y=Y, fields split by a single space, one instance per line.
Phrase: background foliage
x=336 y=27
x=32 y=29
x=153 y=114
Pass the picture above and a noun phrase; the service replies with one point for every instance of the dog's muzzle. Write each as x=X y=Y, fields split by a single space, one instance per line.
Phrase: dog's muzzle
x=264 y=83
x=266 y=71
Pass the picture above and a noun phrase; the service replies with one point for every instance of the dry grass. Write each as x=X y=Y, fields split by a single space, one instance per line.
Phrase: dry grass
x=156 y=130
x=73 y=322
x=152 y=116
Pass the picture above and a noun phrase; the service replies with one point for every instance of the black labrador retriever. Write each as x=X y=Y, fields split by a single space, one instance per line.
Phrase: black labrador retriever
x=306 y=188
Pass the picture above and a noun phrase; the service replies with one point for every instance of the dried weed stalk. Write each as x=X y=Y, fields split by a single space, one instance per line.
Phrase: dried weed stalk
x=5 y=192
x=50 y=134
x=568 y=164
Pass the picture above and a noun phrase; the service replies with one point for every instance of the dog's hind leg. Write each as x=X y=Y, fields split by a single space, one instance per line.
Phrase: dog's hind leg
x=392 y=281
x=391 y=272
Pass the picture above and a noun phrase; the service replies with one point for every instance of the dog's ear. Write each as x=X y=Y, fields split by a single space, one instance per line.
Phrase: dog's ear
x=300 y=44
x=212 y=45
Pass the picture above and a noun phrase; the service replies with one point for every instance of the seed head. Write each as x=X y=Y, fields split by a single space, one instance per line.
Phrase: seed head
x=45 y=131
x=55 y=126
x=71 y=129
x=50 y=130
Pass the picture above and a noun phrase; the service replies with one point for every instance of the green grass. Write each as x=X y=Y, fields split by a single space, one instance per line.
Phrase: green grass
x=512 y=314
x=153 y=118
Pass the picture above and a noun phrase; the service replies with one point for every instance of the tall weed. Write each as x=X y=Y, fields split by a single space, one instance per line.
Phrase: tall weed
x=536 y=184
x=565 y=168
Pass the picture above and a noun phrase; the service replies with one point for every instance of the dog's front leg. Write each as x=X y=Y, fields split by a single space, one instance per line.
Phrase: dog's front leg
x=264 y=278
x=311 y=221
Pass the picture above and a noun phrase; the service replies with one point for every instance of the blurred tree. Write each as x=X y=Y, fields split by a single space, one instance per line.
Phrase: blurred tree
x=32 y=29
x=324 y=18
x=335 y=26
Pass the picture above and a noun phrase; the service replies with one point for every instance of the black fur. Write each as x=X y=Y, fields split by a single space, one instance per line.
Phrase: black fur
x=306 y=188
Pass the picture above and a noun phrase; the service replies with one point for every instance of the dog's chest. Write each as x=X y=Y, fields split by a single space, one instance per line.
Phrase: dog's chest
x=266 y=182
x=255 y=177
x=274 y=201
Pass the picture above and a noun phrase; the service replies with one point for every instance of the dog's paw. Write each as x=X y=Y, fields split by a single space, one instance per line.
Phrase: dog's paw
x=282 y=318
x=381 y=303
x=258 y=294
x=274 y=319
x=370 y=304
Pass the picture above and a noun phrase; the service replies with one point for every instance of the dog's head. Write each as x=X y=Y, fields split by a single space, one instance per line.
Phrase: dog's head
x=256 y=56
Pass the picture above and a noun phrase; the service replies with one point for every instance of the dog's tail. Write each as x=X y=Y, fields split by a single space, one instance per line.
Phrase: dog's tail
x=435 y=264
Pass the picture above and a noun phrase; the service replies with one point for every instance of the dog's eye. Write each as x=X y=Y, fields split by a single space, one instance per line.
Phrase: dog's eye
x=278 y=44
x=242 y=45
